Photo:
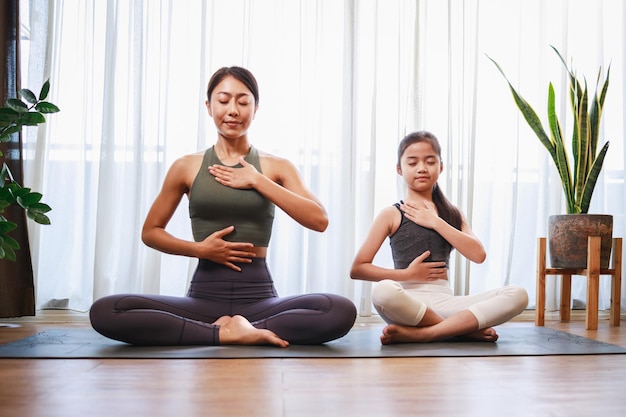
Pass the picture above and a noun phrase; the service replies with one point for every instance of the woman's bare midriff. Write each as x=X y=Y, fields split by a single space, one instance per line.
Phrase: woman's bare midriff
x=260 y=251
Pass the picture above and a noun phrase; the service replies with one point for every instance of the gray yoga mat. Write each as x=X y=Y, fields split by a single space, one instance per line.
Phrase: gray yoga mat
x=359 y=343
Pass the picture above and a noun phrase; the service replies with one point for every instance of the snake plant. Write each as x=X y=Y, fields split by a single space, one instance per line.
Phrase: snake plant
x=579 y=177
x=15 y=115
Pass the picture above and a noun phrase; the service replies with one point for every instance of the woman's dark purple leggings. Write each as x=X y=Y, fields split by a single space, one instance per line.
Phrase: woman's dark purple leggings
x=217 y=291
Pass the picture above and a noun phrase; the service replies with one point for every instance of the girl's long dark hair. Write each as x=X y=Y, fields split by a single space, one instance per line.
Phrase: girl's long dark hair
x=446 y=209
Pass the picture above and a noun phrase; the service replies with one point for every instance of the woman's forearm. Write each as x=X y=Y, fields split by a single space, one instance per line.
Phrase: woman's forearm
x=157 y=238
x=306 y=211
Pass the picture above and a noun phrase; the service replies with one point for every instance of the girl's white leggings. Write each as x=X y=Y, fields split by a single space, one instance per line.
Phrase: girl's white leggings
x=406 y=304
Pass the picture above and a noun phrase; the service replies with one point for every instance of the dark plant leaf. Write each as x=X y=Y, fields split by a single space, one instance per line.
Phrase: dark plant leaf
x=7 y=253
x=28 y=95
x=17 y=105
x=40 y=207
x=17 y=191
x=8 y=115
x=33 y=118
x=8 y=241
x=593 y=178
x=45 y=107
x=38 y=217
x=45 y=89
x=6 y=226
x=29 y=199
x=6 y=133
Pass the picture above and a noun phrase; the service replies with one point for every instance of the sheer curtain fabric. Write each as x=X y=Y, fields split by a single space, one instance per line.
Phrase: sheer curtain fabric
x=341 y=83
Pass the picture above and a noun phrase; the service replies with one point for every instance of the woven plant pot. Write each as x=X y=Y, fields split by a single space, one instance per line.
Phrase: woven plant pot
x=567 y=239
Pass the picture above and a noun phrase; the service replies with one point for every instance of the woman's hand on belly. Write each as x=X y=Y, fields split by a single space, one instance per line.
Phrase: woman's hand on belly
x=218 y=250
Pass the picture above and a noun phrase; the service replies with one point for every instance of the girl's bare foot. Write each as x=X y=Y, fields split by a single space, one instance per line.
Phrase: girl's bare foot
x=483 y=335
x=395 y=333
x=237 y=330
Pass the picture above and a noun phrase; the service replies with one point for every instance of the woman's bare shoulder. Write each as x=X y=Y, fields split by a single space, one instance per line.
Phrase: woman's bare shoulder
x=274 y=165
x=185 y=168
x=188 y=162
x=272 y=158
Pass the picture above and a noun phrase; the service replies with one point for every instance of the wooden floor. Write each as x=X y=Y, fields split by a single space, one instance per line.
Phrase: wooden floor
x=593 y=385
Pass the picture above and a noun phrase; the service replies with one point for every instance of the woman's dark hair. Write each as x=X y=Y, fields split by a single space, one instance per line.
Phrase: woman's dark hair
x=239 y=73
x=447 y=210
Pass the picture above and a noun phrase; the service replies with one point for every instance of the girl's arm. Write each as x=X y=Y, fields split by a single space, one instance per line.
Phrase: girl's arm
x=280 y=183
x=363 y=268
x=462 y=240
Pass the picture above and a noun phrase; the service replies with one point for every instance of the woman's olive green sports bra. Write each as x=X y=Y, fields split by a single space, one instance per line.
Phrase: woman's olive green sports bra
x=213 y=206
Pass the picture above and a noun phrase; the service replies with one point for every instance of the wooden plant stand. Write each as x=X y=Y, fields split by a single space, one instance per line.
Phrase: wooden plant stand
x=592 y=272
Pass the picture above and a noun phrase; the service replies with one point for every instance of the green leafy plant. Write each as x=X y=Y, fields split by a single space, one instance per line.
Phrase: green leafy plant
x=578 y=183
x=29 y=111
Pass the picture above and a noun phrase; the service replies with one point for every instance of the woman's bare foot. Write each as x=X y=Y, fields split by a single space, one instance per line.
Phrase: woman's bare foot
x=237 y=330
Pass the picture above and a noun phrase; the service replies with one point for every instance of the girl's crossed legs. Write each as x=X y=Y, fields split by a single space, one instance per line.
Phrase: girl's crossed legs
x=430 y=312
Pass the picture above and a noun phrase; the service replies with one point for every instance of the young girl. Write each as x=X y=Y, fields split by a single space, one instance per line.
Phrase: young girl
x=415 y=298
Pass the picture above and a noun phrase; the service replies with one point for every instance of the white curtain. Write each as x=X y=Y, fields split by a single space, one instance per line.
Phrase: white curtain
x=341 y=82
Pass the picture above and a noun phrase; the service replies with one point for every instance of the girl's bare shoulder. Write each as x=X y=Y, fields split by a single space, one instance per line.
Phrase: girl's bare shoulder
x=389 y=218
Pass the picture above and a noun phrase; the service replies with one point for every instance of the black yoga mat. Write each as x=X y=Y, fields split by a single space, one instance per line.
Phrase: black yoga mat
x=361 y=342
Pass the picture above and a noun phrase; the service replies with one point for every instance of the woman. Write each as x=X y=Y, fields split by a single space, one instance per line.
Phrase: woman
x=415 y=297
x=233 y=189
